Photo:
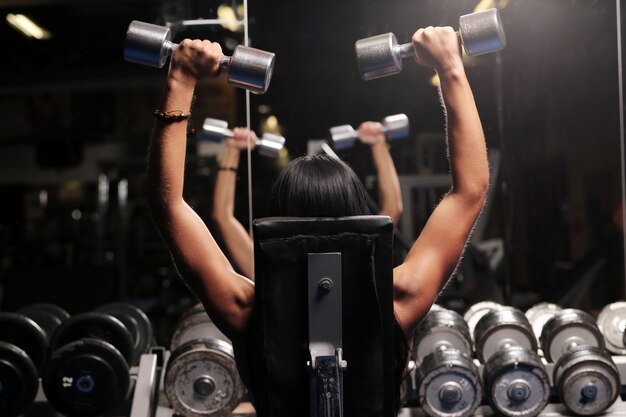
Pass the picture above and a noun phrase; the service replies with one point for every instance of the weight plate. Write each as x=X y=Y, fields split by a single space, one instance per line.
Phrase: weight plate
x=86 y=378
x=27 y=335
x=441 y=329
x=195 y=324
x=136 y=322
x=567 y=329
x=448 y=384
x=612 y=323
x=18 y=380
x=539 y=314
x=501 y=329
x=95 y=326
x=48 y=316
x=202 y=379
x=516 y=383
x=587 y=380
x=473 y=315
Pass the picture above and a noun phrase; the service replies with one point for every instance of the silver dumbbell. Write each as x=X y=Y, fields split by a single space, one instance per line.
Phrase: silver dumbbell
x=612 y=322
x=202 y=379
x=380 y=55
x=216 y=130
x=476 y=312
x=151 y=45
x=395 y=126
x=586 y=377
x=447 y=380
x=516 y=383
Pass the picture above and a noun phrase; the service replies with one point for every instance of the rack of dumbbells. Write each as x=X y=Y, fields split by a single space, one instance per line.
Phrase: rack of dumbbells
x=498 y=360
x=493 y=360
x=105 y=363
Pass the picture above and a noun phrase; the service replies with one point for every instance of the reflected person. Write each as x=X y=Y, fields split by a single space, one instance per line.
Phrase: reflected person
x=236 y=237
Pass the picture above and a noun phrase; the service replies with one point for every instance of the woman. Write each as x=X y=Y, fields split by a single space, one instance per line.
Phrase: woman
x=236 y=237
x=228 y=296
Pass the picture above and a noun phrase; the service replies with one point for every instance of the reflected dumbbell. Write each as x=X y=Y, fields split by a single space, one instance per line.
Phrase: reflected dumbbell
x=585 y=376
x=202 y=377
x=394 y=127
x=24 y=340
x=473 y=315
x=151 y=45
x=447 y=379
x=216 y=130
x=515 y=381
x=612 y=322
x=380 y=55
x=88 y=371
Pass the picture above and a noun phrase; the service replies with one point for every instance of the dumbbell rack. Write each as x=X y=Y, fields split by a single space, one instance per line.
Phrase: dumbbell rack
x=618 y=409
x=147 y=379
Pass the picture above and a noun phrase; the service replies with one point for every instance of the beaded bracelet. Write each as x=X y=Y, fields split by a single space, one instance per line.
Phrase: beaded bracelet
x=171 y=116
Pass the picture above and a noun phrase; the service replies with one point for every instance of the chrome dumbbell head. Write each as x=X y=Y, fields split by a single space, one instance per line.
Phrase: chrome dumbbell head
x=147 y=44
x=441 y=330
x=482 y=32
x=396 y=126
x=516 y=383
x=612 y=322
x=566 y=330
x=151 y=45
x=270 y=145
x=448 y=384
x=251 y=69
x=343 y=136
x=539 y=314
x=377 y=56
x=381 y=55
x=587 y=380
x=501 y=329
x=473 y=315
x=201 y=377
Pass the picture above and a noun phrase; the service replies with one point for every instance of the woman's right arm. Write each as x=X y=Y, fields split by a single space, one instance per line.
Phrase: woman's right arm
x=227 y=296
x=236 y=237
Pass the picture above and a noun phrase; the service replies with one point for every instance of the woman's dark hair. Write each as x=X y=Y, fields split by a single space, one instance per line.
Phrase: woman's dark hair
x=318 y=186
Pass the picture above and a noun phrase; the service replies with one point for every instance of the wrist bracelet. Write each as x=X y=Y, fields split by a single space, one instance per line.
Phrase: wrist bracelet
x=234 y=169
x=171 y=116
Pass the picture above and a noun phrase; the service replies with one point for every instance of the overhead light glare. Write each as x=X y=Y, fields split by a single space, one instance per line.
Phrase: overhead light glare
x=434 y=80
x=227 y=16
x=27 y=27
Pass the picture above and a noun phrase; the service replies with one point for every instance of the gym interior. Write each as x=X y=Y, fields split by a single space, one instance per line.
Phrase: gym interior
x=96 y=318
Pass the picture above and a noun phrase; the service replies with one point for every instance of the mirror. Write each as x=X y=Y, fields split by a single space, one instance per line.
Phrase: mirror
x=550 y=110
x=75 y=228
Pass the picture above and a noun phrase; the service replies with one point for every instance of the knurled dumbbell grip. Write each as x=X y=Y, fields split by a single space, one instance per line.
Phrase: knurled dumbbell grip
x=169 y=47
x=407 y=50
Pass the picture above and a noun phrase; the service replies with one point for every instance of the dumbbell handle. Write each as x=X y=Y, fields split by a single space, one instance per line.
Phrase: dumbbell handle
x=227 y=133
x=169 y=47
x=407 y=50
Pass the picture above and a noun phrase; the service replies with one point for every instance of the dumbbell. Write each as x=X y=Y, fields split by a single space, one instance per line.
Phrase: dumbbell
x=514 y=378
x=539 y=314
x=201 y=378
x=612 y=322
x=476 y=312
x=447 y=379
x=24 y=339
x=395 y=126
x=585 y=376
x=380 y=55
x=216 y=130
x=151 y=45
x=88 y=371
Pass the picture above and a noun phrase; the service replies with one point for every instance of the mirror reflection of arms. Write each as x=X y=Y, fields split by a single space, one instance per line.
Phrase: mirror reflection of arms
x=227 y=296
x=437 y=251
x=236 y=237
x=389 y=194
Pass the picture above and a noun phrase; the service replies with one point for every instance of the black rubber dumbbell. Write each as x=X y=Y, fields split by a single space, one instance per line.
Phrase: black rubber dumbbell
x=88 y=371
x=24 y=340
